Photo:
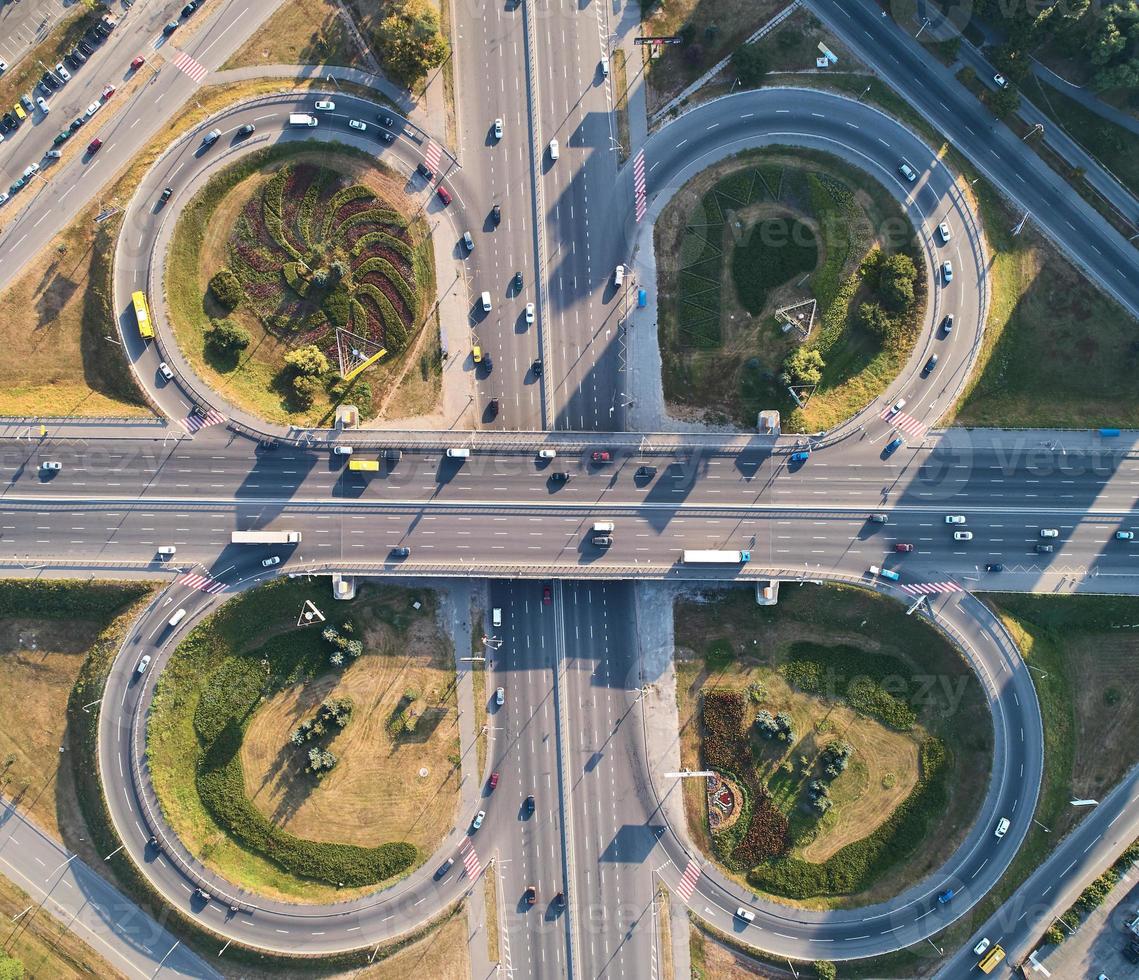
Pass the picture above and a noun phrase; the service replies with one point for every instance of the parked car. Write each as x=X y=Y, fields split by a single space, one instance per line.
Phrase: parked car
x=138 y=63
x=108 y=91
x=980 y=947
x=62 y=73
x=493 y=784
x=42 y=103
x=479 y=818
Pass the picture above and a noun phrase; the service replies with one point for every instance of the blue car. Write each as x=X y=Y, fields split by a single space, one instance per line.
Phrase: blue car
x=800 y=457
x=891 y=446
x=944 y=897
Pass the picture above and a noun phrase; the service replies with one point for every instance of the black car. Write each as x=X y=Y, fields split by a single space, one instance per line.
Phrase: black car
x=518 y=282
x=78 y=57
x=492 y=408
x=386 y=136
x=165 y=195
x=994 y=567
x=401 y=552
x=386 y=121
x=76 y=123
x=536 y=368
x=496 y=213
x=8 y=121
x=86 y=48
x=444 y=868
x=49 y=80
x=425 y=171
x=247 y=130
x=71 y=61
x=529 y=804
x=100 y=30
x=190 y=8
x=560 y=476
x=170 y=28
x=646 y=471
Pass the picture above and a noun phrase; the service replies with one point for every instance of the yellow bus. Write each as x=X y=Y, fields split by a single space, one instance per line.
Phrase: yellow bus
x=365 y=465
x=990 y=960
x=142 y=315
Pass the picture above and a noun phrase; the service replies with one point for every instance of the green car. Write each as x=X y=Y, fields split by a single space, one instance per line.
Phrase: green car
x=62 y=136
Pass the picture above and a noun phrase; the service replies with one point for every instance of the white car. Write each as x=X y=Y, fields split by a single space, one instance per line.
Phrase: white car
x=981 y=947
x=3 y=197
x=954 y=518
x=50 y=466
x=944 y=232
x=907 y=171
x=1049 y=532
x=325 y=106
x=747 y=915
x=947 y=271
x=479 y=818
x=3 y=66
x=468 y=241
x=341 y=450
x=53 y=155
x=498 y=129
x=42 y=103
x=164 y=370
x=962 y=535
x=93 y=108
x=356 y=124
x=1002 y=827
x=1000 y=81
x=63 y=72
x=553 y=149
x=898 y=406
x=500 y=696
x=529 y=312
x=143 y=664
x=270 y=562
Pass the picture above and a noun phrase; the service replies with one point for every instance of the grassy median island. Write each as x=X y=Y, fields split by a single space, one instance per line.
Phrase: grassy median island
x=280 y=252
x=771 y=229
x=294 y=761
x=854 y=743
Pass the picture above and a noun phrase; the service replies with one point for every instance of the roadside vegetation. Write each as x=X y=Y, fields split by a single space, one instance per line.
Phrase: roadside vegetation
x=277 y=253
x=300 y=32
x=281 y=808
x=853 y=776
x=771 y=229
x=47 y=629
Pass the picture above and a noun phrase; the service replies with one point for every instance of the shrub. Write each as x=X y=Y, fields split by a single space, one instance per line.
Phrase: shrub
x=750 y=65
x=1055 y=935
x=804 y=366
x=308 y=360
x=227 y=289
x=337 y=306
x=227 y=337
x=305 y=390
x=825 y=970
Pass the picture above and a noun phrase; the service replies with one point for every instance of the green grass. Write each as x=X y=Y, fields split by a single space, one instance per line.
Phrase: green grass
x=776 y=250
x=206 y=697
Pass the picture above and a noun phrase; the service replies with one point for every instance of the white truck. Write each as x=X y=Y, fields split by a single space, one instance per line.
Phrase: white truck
x=301 y=119
x=715 y=557
x=266 y=537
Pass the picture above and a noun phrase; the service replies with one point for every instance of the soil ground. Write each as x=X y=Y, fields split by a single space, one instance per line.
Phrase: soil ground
x=254 y=383
x=761 y=637
x=714 y=960
x=300 y=32
x=375 y=793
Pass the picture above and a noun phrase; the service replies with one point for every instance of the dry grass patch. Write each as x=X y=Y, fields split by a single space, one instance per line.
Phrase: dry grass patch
x=492 y=937
x=715 y=960
x=441 y=955
x=46 y=947
x=300 y=32
x=376 y=792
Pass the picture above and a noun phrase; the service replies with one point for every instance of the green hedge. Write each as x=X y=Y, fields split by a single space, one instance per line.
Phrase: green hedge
x=858 y=865
x=62 y=599
x=381 y=238
x=395 y=330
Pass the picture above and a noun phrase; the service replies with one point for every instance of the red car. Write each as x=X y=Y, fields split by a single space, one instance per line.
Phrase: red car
x=138 y=63
x=602 y=456
x=94 y=145
x=108 y=91
x=444 y=195
x=493 y=780
x=547 y=595
x=903 y=547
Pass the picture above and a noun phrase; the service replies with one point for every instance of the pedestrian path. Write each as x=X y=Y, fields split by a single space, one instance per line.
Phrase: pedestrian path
x=432 y=154
x=203 y=583
x=194 y=69
x=639 y=198
x=193 y=422
x=932 y=588
x=688 y=881
x=470 y=858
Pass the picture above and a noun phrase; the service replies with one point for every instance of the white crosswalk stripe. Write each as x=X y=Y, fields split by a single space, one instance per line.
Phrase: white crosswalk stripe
x=931 y=588
x=688 y=881
x=203 y=583
x=192 y=68
x=639 y=184
x=432 y=155
x=907 y=423
x=192 y=423
x=470 y=860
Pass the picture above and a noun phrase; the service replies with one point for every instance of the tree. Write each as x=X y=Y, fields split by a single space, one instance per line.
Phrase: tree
x=825 y=970
x=410 y=41
x=873 y=318
x=1055 y=935
x=896 y=277
x=227 y=289
x=305 y=390
x=1004 y=102
x=227 y=337
x=308 y=360
x=750 y=65
x=804 y=365
x=10 y=967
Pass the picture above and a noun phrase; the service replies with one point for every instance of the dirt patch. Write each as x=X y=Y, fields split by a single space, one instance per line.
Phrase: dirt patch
x=376 y=792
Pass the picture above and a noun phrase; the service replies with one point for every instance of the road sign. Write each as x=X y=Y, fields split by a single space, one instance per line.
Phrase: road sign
x=673 y=39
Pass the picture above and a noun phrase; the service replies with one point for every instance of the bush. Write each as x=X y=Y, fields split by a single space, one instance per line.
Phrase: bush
x=308 y=360
x=804 y=366
x=825 y=970
x=1055 y=935
x=305 y=390
x=337 y=305
x=750 y=65
x=227 y=337
x=227 y=289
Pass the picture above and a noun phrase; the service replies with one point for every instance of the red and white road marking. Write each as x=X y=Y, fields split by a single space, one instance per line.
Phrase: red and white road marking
x=433 y=155
x=470 y=859
x=639 y=184
x=688 y=881
x=907 y=423
x=191 y=67
x=192 y=423
x=203 y=583
x=932 y=588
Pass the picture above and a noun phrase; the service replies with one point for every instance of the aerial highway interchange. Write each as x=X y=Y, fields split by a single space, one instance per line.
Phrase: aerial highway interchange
x=561 y=456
